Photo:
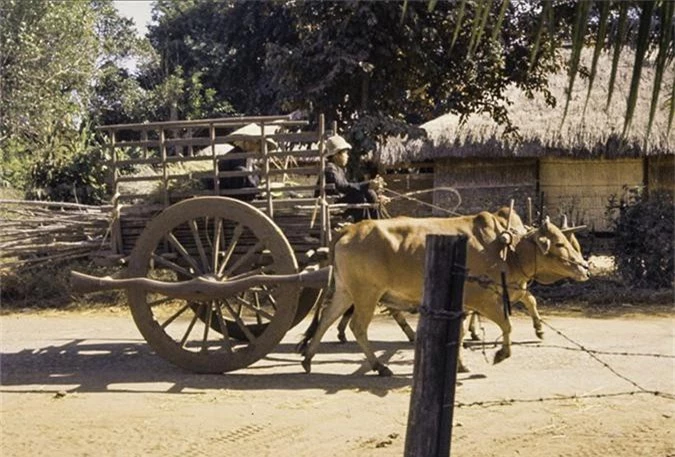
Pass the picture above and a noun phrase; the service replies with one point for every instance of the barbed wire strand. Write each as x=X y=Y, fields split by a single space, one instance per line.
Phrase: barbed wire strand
x=592 y=354
x=603 y=363
x=510 y=401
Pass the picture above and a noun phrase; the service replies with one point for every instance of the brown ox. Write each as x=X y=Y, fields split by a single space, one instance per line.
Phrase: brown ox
x=384 y=259
x=528 y=300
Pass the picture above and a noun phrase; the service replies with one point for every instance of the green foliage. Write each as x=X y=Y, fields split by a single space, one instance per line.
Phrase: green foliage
x=644 y=227
x=48 y=54
x=79 y=175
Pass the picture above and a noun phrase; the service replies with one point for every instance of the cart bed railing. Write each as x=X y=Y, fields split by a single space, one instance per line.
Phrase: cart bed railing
x=155 y=165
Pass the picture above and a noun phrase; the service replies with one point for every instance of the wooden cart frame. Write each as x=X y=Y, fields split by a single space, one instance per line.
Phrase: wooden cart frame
x=214 y=283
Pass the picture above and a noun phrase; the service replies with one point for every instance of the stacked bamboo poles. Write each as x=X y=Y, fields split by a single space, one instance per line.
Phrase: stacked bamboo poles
x=35 y=233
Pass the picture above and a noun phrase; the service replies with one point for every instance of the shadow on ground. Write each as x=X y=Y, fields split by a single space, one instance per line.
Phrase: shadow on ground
x=110 y=366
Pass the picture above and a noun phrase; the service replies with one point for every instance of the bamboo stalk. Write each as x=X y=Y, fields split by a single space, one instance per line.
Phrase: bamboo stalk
x=34 y=233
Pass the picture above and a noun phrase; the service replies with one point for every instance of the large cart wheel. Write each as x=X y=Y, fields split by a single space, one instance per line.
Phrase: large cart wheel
x=219 y=239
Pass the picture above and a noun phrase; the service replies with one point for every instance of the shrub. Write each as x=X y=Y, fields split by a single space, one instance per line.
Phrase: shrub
x=644 y=229
x=80 y=177
x=48 y=286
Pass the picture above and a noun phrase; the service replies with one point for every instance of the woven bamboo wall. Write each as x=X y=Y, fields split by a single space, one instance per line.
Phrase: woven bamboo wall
x=582 y=188
x=661 y=173
x=487 y=184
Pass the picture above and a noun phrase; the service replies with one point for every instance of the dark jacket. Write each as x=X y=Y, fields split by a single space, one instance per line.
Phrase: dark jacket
x=236 y=182
x=242 y=164
x=352 y=192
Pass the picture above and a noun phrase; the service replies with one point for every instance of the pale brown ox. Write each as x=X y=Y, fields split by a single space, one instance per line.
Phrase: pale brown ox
x=528 y=300
x=378 y=258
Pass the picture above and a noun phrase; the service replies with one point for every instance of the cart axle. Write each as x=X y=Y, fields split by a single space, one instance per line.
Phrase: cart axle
x=200 y=288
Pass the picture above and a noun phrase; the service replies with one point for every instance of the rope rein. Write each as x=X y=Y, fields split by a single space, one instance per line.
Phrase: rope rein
x=409 y=196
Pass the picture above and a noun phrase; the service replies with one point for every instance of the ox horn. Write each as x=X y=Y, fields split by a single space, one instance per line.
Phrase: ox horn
x=574 y=229
x=564 y=225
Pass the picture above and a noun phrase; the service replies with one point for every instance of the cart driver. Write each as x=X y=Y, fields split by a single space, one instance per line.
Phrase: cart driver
x=350 y=192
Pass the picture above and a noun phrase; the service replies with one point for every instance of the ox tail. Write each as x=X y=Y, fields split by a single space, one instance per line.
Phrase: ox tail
x=310 y=332
x=301 y=347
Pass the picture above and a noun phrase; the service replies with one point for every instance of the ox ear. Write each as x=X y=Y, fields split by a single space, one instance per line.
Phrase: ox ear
x=543 y=243
x=489 y=227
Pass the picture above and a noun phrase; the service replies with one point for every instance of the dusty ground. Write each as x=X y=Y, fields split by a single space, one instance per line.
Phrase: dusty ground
x=85 y=384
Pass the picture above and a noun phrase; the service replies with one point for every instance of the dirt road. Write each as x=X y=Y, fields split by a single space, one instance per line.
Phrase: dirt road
x=86 y=384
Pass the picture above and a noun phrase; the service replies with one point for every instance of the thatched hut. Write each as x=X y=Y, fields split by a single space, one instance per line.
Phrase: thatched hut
x=577 y=164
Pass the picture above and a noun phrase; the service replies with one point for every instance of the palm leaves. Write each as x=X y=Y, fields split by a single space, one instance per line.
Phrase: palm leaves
x=650 y=16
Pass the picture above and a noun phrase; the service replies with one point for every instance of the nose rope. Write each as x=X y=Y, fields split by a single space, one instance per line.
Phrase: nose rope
x=568 y=261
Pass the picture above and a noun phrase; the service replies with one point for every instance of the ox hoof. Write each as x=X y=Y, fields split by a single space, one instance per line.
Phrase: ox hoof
x=540 y=334
x=461 y=368
x=301 y=349
x=500 y=355
x=382 y=370
x=475 y=337
x=307 y=365
x=342 y=338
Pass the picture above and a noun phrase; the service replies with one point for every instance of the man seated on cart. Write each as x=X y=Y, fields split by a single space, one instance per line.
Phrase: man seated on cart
x=337 y=152
x=247 y=164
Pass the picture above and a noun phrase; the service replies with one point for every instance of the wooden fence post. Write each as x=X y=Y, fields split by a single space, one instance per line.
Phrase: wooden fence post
x=437 y=348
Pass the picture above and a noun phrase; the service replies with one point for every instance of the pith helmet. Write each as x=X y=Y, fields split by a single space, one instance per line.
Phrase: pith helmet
x=254 y=131
x=336 y=144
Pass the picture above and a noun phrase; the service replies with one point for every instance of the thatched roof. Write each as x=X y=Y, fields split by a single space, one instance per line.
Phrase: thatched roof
x=595 y=133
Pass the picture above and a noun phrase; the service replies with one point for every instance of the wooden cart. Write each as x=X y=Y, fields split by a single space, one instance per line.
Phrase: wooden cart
x=213 y=282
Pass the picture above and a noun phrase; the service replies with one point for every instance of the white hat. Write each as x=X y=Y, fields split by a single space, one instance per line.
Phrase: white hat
x=336 y=144
x=255 y=130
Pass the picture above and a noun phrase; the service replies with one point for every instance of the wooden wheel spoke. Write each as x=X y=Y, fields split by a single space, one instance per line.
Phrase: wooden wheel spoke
x=223 y=328
x=173 y=317
x=159 y=260
x=198 y=242
x=236 y=234
x=218 y=233
x=183 y=252
x=255 y=308
x=246 y=274
x=194 y=320
x=256 y=296
x=207 y=326
x=270 y=297
x=250 y=252
x=242 y=326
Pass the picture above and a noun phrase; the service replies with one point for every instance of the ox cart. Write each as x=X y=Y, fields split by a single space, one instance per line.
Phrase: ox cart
x=214 y=282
